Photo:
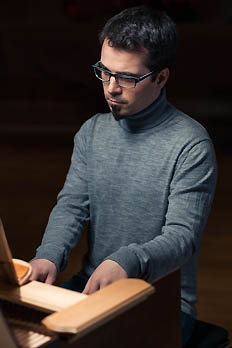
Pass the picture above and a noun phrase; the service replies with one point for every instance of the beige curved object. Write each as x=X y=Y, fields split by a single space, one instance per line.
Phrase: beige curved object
x=13 y=271
x=23 y=271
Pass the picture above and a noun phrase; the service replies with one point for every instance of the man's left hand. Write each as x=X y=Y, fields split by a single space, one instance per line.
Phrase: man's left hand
x=106 y=273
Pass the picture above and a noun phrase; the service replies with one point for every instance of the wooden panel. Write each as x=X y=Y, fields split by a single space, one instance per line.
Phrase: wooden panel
x=7 y=270
x=42 y=296
x=6 y=338
x=99 y=307
x=153 y=323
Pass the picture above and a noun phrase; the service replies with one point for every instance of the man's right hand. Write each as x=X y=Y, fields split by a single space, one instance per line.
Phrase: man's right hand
x=43 y=270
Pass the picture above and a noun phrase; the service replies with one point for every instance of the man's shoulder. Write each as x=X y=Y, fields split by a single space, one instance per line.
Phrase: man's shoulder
x=97 y=120
x=186 y=126
x=99 y=117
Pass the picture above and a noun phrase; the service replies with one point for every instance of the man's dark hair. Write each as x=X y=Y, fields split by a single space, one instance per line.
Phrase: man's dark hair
x=137 y=28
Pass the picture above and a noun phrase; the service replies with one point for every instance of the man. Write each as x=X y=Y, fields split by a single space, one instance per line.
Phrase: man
x=143 y=175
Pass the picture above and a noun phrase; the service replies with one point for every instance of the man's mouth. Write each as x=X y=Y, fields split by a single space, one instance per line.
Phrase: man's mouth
x=114 y=102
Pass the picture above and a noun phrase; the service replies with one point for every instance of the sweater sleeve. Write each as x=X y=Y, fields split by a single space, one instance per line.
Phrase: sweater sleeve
x=68 y=217
x=190 y=197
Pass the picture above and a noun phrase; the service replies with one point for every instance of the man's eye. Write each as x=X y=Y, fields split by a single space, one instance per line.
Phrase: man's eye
x=126 y=79
x=105 y=75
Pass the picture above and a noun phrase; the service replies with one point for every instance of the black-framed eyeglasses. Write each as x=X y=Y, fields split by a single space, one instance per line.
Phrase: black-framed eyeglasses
x=125 y=81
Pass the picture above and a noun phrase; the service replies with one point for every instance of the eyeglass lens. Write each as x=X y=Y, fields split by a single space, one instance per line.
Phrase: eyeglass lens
x=122 y=81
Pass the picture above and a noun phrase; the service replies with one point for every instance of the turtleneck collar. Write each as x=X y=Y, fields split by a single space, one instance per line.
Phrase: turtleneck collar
x=150 y=117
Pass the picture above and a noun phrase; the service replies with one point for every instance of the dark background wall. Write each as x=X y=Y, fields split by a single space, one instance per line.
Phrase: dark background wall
x=46 y=54
x=48 y=89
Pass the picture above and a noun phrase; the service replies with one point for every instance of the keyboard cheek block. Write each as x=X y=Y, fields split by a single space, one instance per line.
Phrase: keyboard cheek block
x=99 y=307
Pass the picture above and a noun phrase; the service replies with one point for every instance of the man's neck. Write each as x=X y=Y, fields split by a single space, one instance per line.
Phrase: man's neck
x=147 y=118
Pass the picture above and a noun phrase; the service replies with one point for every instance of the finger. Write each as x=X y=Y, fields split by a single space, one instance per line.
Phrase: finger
x=104 y=283
x=86 y=289
x=93 y=286
x=32 y=276
x=42 y=277
x=50 y=278
x=36 y=276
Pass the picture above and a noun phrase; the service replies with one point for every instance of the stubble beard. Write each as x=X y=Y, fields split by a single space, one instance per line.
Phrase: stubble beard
x=115 y=109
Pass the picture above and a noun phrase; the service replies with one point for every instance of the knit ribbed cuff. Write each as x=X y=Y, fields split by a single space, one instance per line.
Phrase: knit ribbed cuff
x=53 y=254
x=128 y=260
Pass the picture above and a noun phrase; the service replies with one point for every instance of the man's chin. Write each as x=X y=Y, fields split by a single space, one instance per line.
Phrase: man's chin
x=117 y=117
x=116 y=111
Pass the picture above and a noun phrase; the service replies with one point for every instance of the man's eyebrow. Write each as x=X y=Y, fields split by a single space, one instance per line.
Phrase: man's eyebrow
x=119 y=72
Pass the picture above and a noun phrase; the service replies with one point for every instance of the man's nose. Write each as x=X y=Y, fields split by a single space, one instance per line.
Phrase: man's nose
x=113 y=87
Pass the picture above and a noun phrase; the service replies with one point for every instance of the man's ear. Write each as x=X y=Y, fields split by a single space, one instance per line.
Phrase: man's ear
x=162 y=78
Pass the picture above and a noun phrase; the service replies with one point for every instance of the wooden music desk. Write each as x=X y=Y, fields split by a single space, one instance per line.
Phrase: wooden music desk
x=154 y=322
x=127 y=313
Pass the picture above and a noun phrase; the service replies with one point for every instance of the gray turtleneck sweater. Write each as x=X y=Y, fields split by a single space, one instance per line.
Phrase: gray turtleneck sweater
x=146 y=184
